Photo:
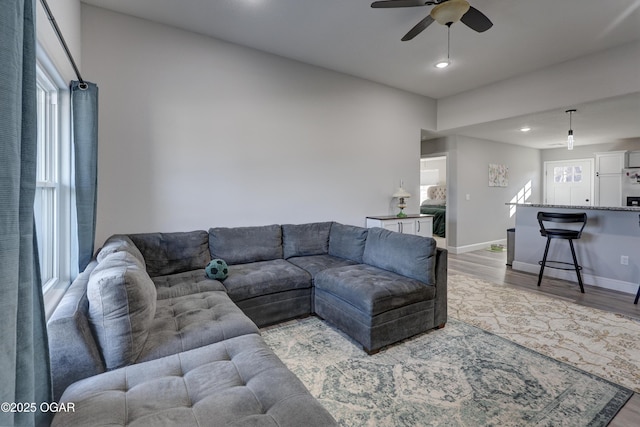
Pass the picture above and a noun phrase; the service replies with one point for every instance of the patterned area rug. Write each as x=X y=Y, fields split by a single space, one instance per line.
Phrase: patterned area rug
x=599 y=342
x=456 y=376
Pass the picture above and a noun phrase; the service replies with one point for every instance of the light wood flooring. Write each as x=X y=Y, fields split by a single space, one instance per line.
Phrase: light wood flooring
x=491 y=266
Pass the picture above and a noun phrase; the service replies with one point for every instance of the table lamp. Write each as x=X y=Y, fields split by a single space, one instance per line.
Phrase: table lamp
x=401 y=194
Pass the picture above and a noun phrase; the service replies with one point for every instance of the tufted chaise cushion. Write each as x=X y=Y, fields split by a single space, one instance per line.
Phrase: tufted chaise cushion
x=169 y=253
x=191 y=321
x=122 y=304
x=237 y=382
x=371 y=290
x=186 y=283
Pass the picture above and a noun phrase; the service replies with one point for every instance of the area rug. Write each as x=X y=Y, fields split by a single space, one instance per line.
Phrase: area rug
x=456 y=376
x=602 y=343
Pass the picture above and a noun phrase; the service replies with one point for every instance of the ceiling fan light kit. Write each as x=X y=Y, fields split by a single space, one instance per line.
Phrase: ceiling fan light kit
x=450 y=12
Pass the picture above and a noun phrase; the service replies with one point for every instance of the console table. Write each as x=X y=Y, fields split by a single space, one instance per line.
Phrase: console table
x=421 y=225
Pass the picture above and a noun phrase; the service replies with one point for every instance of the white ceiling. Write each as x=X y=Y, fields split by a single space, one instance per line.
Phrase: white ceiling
x=350 y=37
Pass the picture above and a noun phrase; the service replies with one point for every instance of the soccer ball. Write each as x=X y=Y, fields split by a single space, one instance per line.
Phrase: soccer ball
x=217 y=269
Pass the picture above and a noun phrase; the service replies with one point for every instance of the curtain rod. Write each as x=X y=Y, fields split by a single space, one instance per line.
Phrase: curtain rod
x=54 y=24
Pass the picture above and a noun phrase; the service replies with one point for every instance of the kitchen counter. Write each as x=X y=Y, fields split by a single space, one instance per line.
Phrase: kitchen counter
x=608 y=250
x=596 y=208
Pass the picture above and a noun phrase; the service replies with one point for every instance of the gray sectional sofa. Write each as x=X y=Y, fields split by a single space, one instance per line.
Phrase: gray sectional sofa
x=143 y=337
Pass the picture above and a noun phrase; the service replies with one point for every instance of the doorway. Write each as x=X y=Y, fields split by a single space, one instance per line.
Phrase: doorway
x=569 y=182
x=433 y=194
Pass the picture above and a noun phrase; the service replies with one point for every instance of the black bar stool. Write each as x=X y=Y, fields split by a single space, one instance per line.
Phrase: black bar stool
x=560 y=233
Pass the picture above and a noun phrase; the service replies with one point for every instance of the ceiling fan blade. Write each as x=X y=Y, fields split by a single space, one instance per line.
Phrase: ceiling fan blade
x=476 y=20
x=420 y=27
x=400 y=3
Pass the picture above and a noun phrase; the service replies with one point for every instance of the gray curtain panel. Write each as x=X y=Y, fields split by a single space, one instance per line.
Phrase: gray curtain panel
x=24 y=353
x=84 y=116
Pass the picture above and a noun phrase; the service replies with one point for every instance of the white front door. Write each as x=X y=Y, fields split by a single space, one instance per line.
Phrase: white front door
x=569 y=182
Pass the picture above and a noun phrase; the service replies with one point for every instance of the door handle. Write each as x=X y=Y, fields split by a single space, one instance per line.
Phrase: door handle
x=418 y=226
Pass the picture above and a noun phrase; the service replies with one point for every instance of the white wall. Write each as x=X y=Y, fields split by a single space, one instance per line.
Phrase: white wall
x=484 y=218
x=602 y=75
x=195 y=132
x=67 y=16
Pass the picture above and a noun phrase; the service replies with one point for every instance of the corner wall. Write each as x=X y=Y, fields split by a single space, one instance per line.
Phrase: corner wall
x=484 y=218
x=195 y=132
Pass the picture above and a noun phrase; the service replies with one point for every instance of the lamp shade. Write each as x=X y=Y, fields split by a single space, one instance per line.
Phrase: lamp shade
x=401 y=193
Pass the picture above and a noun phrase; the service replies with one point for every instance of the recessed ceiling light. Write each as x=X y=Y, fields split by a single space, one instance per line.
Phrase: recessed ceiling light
x=442 y=64
x=525 y=129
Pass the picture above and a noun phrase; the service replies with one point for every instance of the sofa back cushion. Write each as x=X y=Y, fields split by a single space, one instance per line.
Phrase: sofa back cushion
x=122 y=305
x=169 y=253
x=347 y=241
x=305 y=239
x=120 y=243
x=408 y=255
x=242 y=245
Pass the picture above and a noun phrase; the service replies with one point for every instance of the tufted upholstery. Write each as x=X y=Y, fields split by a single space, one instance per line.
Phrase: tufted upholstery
x=317 y=263
x=191 y=321
x=238 y=382
x=265 y=277
x=437 y=192
x=186 y=283
x=372 y=290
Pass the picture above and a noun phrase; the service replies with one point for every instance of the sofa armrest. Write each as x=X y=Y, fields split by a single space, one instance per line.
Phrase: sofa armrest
x=73 y=350
x=440 y=303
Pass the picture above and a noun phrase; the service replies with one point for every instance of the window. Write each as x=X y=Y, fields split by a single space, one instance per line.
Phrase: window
x=52 y=207
x=566 y=174
x=47 y=198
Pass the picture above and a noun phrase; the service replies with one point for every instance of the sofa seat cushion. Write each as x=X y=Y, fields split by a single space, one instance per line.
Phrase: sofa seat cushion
x=240 y=245
x=122 y=305
x=316 y=263
x=191 y=321
x=371 y=289
x=237 y=382
x=185 y=283
x=169 y=253
x=265 y=277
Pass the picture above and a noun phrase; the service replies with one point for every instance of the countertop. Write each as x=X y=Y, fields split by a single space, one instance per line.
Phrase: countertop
x=409 y=216
x=597 y=208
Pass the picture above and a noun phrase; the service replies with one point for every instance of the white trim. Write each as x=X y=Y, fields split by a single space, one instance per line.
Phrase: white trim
x=54 y=289
x=570 y=275
x=475 y=246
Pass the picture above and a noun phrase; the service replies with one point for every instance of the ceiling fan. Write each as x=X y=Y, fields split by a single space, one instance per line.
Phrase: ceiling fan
x=445 y=12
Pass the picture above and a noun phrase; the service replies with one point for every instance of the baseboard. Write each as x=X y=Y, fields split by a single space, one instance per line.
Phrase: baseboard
x=587 y=279
x=475 y=246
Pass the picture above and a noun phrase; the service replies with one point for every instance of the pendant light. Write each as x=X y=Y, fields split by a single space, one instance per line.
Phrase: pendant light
x=570 y=135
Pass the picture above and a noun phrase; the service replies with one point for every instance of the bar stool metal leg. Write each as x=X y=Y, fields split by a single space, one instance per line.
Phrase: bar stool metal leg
x=576 y=266
x=544 y=261
x=637 y=296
